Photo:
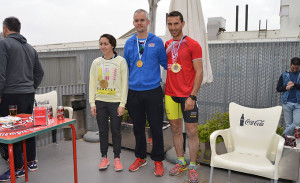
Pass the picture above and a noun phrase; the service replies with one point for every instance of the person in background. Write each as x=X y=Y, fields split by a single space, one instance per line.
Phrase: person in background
x=108 y=90
x=21 y=73
x=184 y=78
x=144 y=53
x=289 y=85
x=3 y=149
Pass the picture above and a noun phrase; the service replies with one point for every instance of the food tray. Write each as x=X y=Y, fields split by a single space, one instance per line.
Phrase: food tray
x=9 y=119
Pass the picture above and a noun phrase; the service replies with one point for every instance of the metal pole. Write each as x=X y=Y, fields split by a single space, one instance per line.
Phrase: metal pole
x=25 y=160
x=11 y=163
x=74 y=153
x=237 y=18
x=167 y=18
x=152 y=14
x=246 y=18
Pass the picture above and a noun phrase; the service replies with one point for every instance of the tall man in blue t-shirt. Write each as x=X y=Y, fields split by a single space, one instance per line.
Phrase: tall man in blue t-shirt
x=289 y=84
x=144 y=53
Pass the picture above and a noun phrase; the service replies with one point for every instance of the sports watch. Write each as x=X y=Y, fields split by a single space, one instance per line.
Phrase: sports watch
x=193 y=97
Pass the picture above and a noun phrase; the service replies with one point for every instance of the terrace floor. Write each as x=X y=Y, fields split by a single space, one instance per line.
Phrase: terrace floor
x=55 y=163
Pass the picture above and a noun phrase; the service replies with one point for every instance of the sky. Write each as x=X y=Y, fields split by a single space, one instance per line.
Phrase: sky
x=63 y=21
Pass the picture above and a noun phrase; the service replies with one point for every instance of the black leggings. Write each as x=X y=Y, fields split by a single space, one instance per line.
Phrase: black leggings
x=105 y=110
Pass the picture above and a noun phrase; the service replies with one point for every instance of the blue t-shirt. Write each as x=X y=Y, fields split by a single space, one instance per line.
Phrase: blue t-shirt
x=292 y=93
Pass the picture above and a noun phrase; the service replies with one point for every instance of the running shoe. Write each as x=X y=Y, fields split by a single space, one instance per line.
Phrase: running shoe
x=32 y=166
x=6 y=176
x=137 y=164
x=118 y=165
x=193 y=176
x=104 y=163
x=178 y=168
x=159 y=169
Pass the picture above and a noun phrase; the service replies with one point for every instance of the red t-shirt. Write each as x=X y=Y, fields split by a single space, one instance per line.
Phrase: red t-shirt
x=181 y=84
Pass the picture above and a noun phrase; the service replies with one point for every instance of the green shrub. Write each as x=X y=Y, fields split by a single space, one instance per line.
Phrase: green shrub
x=217 y=122
x=279 y=130
x=125 y=116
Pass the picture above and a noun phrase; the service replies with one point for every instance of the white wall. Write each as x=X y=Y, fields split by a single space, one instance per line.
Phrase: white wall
x=289 y=18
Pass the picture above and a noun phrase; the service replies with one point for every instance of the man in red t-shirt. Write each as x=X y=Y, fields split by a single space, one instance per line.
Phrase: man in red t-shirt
x=184 y=77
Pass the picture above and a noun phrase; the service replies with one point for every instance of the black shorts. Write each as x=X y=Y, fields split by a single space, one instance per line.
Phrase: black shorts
x=175 y=109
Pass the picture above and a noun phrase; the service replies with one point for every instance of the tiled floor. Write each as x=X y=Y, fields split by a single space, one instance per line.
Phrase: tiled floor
x=55 y=164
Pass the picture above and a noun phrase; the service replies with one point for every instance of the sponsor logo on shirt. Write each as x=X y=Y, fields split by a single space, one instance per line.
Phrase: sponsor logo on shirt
x=151 y=45
x=193 y=115
x=106 y=91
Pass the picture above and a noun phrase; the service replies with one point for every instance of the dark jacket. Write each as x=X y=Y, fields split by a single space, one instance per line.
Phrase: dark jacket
x=20 y=68
x=281 y=87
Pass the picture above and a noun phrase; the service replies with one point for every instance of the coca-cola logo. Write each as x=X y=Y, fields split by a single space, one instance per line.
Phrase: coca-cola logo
x=46 y=102
x=255 y=123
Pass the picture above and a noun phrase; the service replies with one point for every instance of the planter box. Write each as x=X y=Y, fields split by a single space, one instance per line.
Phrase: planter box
x=128 y=139
x=289 y=164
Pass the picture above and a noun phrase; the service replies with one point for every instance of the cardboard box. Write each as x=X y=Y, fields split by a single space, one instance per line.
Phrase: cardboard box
x=40 y=116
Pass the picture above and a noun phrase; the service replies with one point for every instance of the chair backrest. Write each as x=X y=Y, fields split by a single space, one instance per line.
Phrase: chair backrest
x=253 y=129
x=47 y=99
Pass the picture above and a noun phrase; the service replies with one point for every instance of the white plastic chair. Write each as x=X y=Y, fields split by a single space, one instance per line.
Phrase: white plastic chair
x=50 y=99
x=252 y=148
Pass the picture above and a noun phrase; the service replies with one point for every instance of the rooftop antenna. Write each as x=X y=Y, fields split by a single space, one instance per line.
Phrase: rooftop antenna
x=237 y=18
x=246 y=18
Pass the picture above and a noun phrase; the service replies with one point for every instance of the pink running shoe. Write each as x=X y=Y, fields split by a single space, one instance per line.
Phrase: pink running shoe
x=118 y=165
x=104 y=163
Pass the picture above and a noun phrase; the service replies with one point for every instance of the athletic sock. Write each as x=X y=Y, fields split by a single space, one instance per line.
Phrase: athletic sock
x=193 y=165
x=181 y=160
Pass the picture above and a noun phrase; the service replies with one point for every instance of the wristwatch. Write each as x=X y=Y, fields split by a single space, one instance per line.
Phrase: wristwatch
x=193 y=97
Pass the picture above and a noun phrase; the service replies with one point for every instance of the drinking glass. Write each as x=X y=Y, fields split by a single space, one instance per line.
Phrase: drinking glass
x=13 y=111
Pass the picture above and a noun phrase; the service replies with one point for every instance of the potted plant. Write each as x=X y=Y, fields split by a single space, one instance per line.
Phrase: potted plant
x=128 y=139
x=217 y=122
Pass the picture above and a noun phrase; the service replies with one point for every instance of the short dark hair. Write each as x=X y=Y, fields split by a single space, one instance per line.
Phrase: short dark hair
x=112 y=40
x=142 y=11
x=295 y=61
x=13 y=24
x=176 y=14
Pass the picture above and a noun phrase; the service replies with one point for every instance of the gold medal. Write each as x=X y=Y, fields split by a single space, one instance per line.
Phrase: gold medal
x=139 y=63
x=176 y=68
x=103 y=83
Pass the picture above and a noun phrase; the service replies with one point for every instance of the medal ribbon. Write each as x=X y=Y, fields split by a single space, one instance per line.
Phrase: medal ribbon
x=106 y=70
x=176 y=54
x=137 y=43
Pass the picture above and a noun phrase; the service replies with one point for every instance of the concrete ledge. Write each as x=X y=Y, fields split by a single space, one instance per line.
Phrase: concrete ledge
x=91 y=136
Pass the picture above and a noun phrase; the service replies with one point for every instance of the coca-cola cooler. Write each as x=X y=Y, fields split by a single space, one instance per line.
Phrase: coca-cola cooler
x=78 y=103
